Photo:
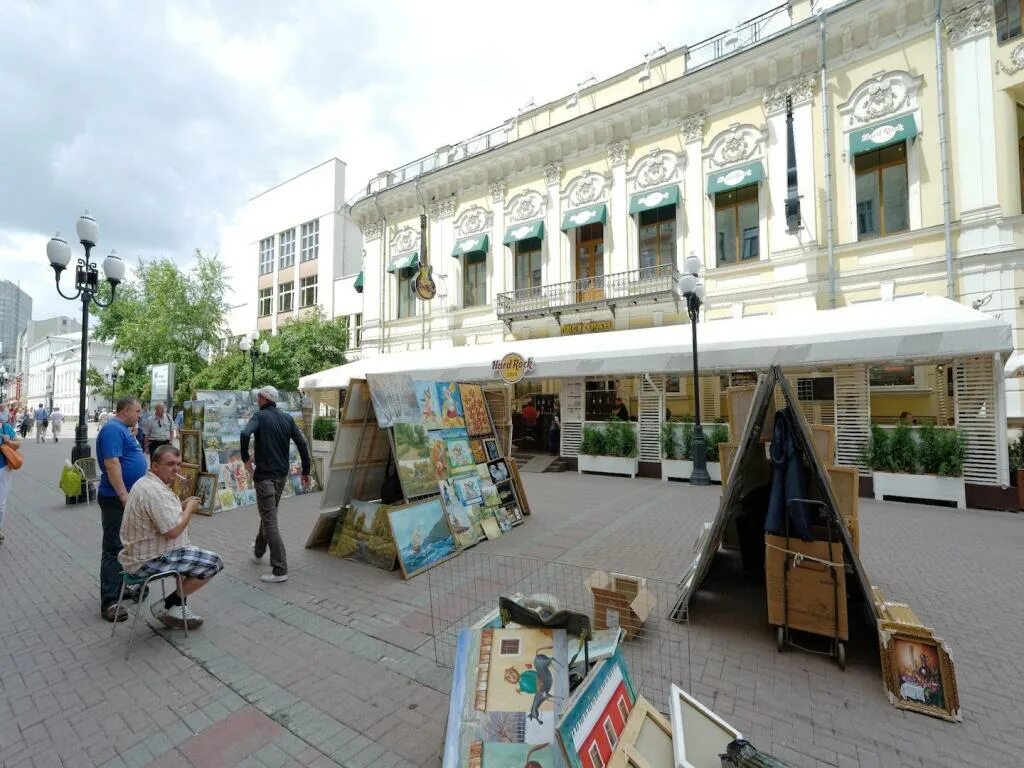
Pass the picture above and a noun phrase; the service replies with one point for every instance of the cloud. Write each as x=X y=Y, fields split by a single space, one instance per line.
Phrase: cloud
x=163 y=118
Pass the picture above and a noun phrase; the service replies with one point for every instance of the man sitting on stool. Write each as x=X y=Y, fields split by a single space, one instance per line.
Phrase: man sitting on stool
x=155 y=537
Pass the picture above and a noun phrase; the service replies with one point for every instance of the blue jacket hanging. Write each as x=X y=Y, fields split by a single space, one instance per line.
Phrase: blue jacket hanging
x=788 y=482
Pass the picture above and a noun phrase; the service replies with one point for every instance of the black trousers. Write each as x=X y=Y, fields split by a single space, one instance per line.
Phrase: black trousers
x=110 y=569
x=154 y=444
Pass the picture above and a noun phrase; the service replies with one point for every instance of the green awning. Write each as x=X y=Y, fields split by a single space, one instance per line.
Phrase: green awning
x=882 y=134
x=358 y=284
x=524 y=231
x=580 y=217
x=474 y=244
x=733 y=178
x=656 y=198
x=405 y=261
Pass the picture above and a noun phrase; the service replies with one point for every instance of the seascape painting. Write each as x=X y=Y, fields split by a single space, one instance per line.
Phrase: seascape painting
x=422 y=536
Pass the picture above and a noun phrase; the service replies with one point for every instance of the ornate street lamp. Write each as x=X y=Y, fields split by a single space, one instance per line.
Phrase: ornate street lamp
x=87 y=286
x=248 y=346
x=112 y=373
x=692 y=289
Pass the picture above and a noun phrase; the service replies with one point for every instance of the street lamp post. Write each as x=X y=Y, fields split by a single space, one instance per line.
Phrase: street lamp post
x=692 y=290
x=112 y=373
x=248 y=346
x=87 y=285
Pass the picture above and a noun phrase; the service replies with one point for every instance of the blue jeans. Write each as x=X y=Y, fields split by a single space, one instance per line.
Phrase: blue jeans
x=110 y=569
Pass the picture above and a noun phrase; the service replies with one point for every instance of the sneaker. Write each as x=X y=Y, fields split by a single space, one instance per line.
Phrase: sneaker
x=273 y=578
x=182 y=615
x=256 y=558
x=163 y=615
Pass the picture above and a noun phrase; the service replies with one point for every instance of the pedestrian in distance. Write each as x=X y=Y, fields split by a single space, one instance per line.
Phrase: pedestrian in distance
x=273 y=430
x=9 y=437
x=155 y=536
x=56 y=419
x=140 y=433
x=122 y=464
x=26 y=423
x=42 y=418
x=159 y=430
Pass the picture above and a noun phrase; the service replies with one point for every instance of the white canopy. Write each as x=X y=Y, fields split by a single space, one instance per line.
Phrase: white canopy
x=912 y=329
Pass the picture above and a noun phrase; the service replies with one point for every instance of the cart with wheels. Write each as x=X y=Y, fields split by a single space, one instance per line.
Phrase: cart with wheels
x=806 y=586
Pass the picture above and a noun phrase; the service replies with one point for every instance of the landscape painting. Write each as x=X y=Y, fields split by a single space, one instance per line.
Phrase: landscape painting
x=363 y=534
x=422 y=536
x=475 y=409
x=412 y=455
x=451 y=404
x=430 y=409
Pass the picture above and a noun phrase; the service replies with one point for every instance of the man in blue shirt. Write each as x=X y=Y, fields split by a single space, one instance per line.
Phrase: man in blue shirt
x=121 y=463
x=42 y=421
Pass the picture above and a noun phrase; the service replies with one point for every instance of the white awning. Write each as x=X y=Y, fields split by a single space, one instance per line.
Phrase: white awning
x=1014 y=368
x=916 y=329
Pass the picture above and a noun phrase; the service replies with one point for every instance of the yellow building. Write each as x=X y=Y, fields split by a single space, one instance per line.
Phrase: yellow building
x=901 y=178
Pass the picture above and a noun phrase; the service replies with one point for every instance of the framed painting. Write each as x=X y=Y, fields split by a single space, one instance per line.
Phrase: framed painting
x=490 y=527
x=513 y=514
x=490 y=496
x=363 y=534
x=517 y=481
x=699 y=736
x=451 y=404
x=608 y=693
x=479 y=454
x=498 y=470
x=412 y=456
x=474 y=408
x=430 y=409
x=459 y=452
x=491 y=449
x=191 y=447
x=421 y=535
x=918 y=671
x=184 y=484
x=206 y=490
x=226 y=499
x=468 y=488
x=460 y=518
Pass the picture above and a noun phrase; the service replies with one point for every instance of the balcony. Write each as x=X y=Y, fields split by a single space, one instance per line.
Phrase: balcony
x=648 y=285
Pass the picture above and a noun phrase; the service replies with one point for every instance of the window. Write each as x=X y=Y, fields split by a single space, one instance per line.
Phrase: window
x=265 y=301
x=528 y=263
x=309 y=248
x=286 y=297
x=892 y=376
x=308 y=291
x=287 y=249
x=1008 y=19
x=882 y=205
x=609 y=731
x=623 y=709
x=474 y=279
x=509 y=646
x=736 y=225
x=595 y=756
x=406 y=298
x=266 y=255
x=657 y=239
x=355 y=330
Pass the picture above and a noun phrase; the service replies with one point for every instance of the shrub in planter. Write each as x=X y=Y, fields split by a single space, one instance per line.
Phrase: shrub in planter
x=902 y=450
x=324 y=428
x=670 y=447
x=687 y=440
x=877 y=453
x=719 y=434
x=619 y=439
x=593 y=442
x=941 y=451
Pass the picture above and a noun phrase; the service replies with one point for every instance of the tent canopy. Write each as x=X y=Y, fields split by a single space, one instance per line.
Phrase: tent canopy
x=917 y=329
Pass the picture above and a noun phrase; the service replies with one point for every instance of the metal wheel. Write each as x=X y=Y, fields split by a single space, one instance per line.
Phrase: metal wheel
x=780 y=638
x=841 y=654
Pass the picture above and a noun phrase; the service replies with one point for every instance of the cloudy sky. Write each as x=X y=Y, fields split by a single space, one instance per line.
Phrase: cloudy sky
x=163 y=118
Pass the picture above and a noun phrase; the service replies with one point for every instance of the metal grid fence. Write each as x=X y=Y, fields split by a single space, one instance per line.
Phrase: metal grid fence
x=465 y=590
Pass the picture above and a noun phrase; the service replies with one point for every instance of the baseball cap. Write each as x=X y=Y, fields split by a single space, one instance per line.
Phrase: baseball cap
x=269 y=392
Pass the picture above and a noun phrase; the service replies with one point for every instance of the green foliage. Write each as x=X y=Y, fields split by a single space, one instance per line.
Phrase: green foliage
x=877 y=454
x=934 y=452
x=593 y=442
x=953 y=451
x=687 y=440
x=324 y=428
x=929 y=449
x=1017 y=453
x=719 y=434
x=670 y=447
x=620 y=439
x=902 y=449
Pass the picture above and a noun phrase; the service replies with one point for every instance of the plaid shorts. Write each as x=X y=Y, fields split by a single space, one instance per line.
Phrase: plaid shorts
x=188 y=561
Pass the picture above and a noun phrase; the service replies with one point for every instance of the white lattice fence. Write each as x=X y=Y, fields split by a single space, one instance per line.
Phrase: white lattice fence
x=976 y=417
x=573 y=409
x=649 y=419
x=852 y=414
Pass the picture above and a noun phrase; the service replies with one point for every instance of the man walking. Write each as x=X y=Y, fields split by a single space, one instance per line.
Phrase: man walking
x=155 y=536
x=56 y=419
x=159 y=430
x=42 y=420
x=122 y=464
x=273 y=430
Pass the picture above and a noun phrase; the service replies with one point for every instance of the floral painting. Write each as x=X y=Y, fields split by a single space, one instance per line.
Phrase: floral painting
x=475 y=409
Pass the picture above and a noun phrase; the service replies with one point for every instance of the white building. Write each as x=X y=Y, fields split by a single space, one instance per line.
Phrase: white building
x=305 y=250
x=54 y=369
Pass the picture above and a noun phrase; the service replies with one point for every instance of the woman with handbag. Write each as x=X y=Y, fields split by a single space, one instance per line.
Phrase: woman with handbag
x=9 y=457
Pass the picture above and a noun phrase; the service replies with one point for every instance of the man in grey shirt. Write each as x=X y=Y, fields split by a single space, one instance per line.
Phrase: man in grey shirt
x=159 y=430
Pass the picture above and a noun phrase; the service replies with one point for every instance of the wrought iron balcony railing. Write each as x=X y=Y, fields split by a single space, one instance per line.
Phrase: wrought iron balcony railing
x=647 y=285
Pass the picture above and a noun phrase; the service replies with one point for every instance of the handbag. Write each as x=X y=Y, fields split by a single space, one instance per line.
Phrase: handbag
x=14 y=460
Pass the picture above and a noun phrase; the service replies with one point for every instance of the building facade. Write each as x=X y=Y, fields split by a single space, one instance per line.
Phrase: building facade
x=36 y=329
x=15 y=315
x=306 y=250
x=902 y=177
x=53 y=373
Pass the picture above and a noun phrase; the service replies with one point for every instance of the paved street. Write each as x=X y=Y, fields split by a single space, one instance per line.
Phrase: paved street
x=337 y=665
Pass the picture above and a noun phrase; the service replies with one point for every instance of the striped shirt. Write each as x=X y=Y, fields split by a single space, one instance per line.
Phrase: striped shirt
x=151 y=511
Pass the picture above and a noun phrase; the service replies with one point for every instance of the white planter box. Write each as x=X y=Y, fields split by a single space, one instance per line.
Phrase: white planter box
x=927 y=487
x=681 y=469
x=609 y=465
x=323 y=446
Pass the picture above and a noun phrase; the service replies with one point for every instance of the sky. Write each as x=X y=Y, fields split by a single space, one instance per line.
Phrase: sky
x=163 y=118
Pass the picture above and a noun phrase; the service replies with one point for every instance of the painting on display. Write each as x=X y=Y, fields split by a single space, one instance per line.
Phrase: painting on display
x=479 y=454
x=422 y=536
x=226 y=499
x=491 y=449
x=451 y=404
x=206 y=490
x=394 y=399
x=461 y=518
x=438 y=454
x=184 y=484
x=429 y=407
x=498 y=471
x=468 y=488
x=412 y=457
x=918 y=671
x=458 y=450
x=509 y=688
x=474 y=409
x=607 y=692
x=363 y=534
x=356 y=407
x=191 y=450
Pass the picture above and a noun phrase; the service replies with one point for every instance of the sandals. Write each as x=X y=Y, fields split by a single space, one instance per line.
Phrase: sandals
x=112 y=614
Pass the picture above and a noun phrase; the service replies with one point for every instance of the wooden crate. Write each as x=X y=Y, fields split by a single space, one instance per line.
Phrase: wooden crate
x=845 y=483
x=824 y=438
x=812 y=598
x=739 y=400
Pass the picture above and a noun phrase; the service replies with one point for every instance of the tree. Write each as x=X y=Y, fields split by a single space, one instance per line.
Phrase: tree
x=164 y=315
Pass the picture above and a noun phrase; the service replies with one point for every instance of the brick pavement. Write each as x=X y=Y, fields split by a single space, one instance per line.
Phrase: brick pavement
x=336 y=666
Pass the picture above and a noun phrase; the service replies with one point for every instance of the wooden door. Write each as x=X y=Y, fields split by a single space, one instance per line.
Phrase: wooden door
x=590 y=263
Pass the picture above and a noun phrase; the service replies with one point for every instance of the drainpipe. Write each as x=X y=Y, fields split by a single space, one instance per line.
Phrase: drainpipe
x=826 y=121
x=423 y=251
x=947 y=214
x=383 y=274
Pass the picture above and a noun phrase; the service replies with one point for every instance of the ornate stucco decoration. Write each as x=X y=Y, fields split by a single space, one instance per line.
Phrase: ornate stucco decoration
x=587 y=188
x=405 y=240
x=693 y=127
x=442 y=209
x=970 y=22
x=552 y=173
x=618 y=151
x=1016 y=63
x=737 y=144
x=497 y=190
x=527 y=205
x=801 y=89
x=655 y=169
x=373 y=231
x=471 y=221
x=887 y=93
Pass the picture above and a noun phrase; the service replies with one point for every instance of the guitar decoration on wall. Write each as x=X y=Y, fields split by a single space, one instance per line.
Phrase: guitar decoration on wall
x=423 y=284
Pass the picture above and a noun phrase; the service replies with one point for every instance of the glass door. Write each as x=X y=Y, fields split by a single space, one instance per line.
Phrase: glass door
x=590 y=263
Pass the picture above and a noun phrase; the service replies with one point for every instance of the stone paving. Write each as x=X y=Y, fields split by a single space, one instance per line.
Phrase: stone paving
x=336 y=666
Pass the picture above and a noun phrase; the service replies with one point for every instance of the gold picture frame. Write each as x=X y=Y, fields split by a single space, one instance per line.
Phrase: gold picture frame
x=192 y=447
x=184 y=484
x=917 y=670
x=206 y=490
